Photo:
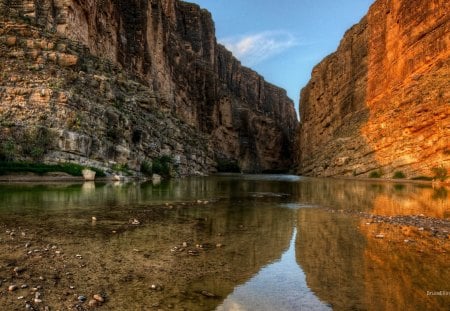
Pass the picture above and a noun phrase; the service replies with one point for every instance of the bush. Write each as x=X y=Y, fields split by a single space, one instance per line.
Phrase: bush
x=121 y=168
x=8 y=150
x=146 y=168
x=440 y=173
x=162 y=166
x=399 y=175
x=375 y=174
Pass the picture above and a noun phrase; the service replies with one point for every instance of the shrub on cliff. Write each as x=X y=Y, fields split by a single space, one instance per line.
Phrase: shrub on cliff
x=399 y=175
x=162 y=166
x=375 y=174
x=440 y=173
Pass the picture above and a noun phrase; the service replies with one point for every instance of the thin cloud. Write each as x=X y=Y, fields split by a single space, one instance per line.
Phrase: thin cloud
x=255 y=48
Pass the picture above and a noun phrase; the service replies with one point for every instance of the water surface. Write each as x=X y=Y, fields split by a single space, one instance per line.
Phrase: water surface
x=230 y=242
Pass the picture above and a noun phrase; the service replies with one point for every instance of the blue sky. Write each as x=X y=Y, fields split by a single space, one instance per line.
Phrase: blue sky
x=284 y=39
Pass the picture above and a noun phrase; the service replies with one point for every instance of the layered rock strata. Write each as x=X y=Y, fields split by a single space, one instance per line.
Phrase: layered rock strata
x=381 y=102
x=169 y=47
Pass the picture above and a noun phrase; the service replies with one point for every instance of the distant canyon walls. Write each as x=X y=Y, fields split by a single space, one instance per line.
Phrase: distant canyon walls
x=169 y=46
x=381 y=102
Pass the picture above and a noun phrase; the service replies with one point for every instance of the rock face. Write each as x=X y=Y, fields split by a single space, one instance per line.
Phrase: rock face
x=381 y=102
x=169 y=48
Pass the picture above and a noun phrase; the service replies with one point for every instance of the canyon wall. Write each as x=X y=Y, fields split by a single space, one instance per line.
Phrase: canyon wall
x=381 y=102
x=169 y=49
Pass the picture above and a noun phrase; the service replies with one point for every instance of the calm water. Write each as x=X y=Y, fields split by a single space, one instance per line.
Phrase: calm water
x=232 y=242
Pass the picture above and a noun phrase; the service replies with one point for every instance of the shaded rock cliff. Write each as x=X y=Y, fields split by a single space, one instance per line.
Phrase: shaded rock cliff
x=381 y=102
x=169 y=49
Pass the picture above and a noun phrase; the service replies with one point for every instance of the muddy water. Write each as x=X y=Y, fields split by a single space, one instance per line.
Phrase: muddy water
x=236 y=242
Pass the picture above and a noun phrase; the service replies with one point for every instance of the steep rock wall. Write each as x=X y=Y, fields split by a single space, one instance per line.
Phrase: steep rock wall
x=381 y=102
x=170 y=46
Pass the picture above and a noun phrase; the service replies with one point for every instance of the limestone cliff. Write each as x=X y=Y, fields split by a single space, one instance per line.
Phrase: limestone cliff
x=381 y=102
x=169 y=49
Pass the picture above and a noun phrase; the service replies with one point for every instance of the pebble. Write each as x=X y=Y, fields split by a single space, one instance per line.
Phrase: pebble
x=12 y=288
x=219 y=245
x=18 y=270
x=20 y=297
x=24 y=286
x=99 y=298
x=380 y=236
x=36 y=300
x=185 y=244
x=93 y=303
x=208 y=294
x=82 y=298
x=134 y=221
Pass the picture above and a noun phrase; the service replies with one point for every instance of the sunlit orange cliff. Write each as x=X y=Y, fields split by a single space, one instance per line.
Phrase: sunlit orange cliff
x=381 y=102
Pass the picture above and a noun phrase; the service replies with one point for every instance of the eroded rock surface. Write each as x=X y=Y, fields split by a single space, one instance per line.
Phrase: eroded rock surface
x=169 y=48
x=381 y=102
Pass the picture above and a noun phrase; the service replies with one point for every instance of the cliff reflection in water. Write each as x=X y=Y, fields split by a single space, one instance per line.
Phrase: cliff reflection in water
x=349 y=268
x=125 y=260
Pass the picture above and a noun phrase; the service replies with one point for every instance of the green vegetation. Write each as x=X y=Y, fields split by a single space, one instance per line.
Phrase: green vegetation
x=146 y=168
x=162 y=166
x=121 y=168
x=399 y=175
x=26 y=143
x=375 y=174
x=228 y=166
x=426 y=178
x=440 y=173
x=41 y=169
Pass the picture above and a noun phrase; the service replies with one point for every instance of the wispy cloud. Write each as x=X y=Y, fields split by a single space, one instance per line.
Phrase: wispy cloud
x=254 y=48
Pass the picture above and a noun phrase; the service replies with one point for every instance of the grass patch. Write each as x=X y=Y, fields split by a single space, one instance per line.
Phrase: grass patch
x=41 y=169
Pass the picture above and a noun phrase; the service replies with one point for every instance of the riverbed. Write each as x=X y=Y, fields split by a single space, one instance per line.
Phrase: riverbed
x=226 y=242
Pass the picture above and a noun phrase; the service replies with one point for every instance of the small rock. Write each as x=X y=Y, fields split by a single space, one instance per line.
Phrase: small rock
x=20 y=297
x=93 y=303
x=24 y=286
x=12 y=288
x=94 y=219
x=219 y=245
x=208 y=294
x=199 y=201
x=82 y=298
x=99 y=298
x=185 y=244
x=134 y=221
x=421 y=229
x=18 y=270
x=380 y=236
x=36 y=300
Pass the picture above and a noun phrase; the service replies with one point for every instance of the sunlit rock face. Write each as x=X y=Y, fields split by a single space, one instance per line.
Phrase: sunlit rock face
x=381 y=101
x=169 y=46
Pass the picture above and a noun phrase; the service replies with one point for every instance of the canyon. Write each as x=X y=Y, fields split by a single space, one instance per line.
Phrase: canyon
x=379 y=105
x=121 y=83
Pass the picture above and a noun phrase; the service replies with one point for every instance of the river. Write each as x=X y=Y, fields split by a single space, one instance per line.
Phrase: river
x=225 y=242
